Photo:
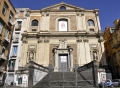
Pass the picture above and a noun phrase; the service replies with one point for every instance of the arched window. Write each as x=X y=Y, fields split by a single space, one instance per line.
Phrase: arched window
x=34 y=23
x=91 y=23
x=63 y=24
x=62 y=8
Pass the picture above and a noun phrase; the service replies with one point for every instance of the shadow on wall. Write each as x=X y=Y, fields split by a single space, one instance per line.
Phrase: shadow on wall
x=103 y=62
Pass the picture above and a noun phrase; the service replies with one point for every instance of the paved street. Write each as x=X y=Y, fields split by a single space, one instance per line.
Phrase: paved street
x=12 y=87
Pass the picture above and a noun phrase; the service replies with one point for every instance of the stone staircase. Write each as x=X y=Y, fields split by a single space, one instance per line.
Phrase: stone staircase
x=60 y=79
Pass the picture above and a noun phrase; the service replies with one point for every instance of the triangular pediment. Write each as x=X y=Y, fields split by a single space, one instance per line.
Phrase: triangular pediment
x=57 y=7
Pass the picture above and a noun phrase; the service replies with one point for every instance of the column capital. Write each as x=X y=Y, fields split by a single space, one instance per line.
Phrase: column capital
x=85 y=40
x=24 y=40
x=79 y=39
x=46 y=40
x=40 y=40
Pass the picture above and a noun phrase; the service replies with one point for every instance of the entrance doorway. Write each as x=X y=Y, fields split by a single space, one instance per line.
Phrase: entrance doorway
x=63 y=62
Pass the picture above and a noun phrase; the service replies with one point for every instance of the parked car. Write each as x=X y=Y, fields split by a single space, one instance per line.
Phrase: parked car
x=108 y=83
x=116 y=82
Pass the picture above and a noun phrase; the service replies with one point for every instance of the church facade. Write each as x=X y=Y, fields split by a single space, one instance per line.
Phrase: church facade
x=62 y=35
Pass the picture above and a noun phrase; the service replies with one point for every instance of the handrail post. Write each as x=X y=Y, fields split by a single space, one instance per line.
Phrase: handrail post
x=76 y=77
x=31 y=74
x=95 y=74
x=50 y=71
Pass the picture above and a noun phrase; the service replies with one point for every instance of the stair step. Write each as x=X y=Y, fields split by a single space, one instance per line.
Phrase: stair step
x=58 y=79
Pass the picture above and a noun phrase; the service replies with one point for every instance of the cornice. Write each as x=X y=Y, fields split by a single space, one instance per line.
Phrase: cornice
x=55 y=33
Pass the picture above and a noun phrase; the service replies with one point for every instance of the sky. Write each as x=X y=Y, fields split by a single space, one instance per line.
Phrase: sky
x=109 y=10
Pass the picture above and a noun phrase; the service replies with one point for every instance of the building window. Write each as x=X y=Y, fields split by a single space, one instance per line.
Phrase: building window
x=114 y=58
x=116 y=37
x=112 y=29
x=7 y=34
x=11 y=64
x=62 y=8
x=119 y=53
x=16 y=37
x=19 y=24
x=10 y=17
x=1 y=27
x=4 y=8
x=91 y=23
x=14 y=51
x=3 y=51
x=34 y=23
x=91 y=30
x=63 y=25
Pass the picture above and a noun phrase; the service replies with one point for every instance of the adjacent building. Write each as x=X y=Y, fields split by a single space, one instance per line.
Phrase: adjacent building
x=16 y=45
x=112 y=48
x=7 y=13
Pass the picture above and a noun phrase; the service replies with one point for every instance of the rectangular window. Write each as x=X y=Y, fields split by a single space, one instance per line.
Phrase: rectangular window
x=7 y=33
x=10 y=17
x=4 y=8
x=1 y=27
x=19 y=24
x=63 y=25
x=14 y=51
x=119 y=53
x=11 y=64
x=112 y=29
x=16 y=37
x=114 y=58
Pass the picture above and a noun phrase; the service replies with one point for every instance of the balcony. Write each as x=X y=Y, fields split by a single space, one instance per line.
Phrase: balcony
x=6 y=41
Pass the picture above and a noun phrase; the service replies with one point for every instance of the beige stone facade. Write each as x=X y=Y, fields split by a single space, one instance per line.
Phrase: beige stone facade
x=79 y=43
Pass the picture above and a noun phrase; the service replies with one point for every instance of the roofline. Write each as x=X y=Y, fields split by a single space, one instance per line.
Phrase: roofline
x=12 y=5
